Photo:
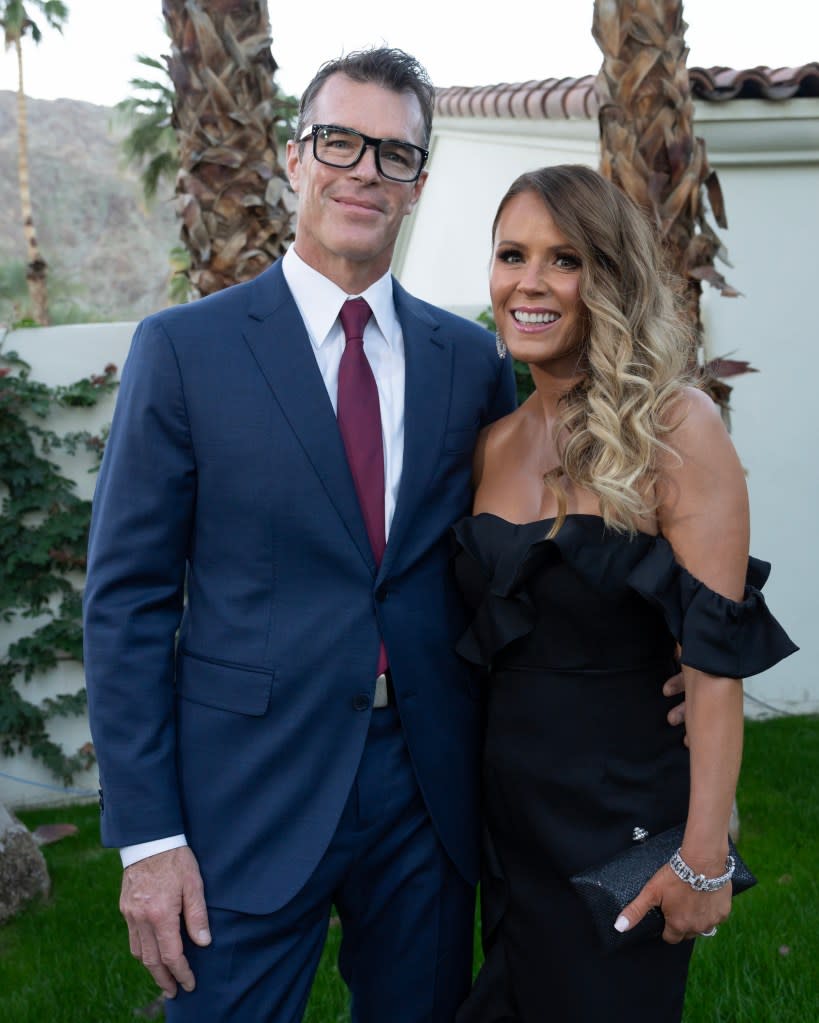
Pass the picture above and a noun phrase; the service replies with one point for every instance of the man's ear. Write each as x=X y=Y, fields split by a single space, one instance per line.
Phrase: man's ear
x=417 y=188
x=293 y=162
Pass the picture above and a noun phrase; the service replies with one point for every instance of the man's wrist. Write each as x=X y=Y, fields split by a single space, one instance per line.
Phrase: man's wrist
x=130 y=854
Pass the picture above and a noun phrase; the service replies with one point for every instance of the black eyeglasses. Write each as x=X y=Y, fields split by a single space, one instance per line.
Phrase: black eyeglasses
x=344 y=147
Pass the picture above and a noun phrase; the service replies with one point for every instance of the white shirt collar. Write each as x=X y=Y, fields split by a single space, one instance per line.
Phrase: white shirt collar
x=319 y=300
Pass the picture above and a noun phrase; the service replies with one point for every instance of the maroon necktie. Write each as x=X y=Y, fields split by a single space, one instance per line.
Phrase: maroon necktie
x=359 y=420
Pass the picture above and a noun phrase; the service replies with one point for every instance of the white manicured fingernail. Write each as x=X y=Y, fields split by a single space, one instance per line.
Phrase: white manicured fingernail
x=621 y=923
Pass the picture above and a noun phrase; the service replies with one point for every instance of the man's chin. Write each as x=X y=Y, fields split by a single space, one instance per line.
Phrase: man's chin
x=364 y=250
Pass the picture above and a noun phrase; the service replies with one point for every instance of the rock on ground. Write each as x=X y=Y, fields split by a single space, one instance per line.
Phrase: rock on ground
x=23 y=871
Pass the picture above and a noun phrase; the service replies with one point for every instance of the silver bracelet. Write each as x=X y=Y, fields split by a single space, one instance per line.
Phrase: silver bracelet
x=699 y=882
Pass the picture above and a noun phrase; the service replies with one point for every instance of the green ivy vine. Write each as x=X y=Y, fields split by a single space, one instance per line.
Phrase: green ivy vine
x=43 y=537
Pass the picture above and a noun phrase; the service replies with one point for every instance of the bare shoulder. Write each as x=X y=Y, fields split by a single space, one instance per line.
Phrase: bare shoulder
x=697 y=439
x=493 y=443
x=696 y=433
x=502 y=432
x=691 y=412
x=701 y=494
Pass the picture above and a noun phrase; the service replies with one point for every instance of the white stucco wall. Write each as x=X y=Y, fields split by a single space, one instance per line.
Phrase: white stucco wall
x=773 y=211
x=61 y=355
x=767 y=157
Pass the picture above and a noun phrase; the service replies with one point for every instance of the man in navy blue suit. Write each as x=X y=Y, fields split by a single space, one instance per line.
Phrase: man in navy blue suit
x=297 y=733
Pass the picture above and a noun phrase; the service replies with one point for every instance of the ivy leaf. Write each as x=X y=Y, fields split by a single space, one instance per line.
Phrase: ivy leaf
x=43 y=539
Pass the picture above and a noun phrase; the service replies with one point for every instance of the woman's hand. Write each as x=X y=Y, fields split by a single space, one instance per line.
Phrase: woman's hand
x=688 y=913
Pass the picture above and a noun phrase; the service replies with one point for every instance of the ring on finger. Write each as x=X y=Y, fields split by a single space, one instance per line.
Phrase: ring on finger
x=709 y=934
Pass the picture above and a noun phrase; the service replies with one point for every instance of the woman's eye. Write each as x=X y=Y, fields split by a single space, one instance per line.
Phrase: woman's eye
x=566 y=261
x=509 y=256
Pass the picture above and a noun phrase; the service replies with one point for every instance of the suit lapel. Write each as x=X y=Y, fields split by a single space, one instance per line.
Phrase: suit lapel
x=276 y=335
x=426 y=404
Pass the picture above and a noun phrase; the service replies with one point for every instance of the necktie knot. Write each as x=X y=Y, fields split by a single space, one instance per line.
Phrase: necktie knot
x=354 y=316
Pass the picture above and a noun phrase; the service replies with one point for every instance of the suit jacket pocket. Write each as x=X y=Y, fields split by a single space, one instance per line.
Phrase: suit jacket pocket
x=223 y=686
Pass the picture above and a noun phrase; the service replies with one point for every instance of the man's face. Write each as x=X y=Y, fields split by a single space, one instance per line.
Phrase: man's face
x=348 y=219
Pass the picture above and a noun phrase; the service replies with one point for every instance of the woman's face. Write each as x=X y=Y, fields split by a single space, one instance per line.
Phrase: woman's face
x=534 y=284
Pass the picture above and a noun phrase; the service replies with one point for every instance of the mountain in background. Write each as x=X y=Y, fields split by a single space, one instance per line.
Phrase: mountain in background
x=107 y=250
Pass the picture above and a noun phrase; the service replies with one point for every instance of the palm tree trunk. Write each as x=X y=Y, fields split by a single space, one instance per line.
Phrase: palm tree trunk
x=36 y=268
x=650 y=151
x=648 y=144
x=232 y=194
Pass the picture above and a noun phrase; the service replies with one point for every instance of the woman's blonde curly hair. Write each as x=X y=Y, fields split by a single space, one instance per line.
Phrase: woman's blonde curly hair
x=635 y=349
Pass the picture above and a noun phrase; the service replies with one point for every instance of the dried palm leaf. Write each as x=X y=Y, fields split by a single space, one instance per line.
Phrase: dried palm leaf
x=226 y=114
x=649 y=148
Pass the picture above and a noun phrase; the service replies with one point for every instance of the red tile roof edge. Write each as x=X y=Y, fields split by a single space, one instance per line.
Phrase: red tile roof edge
x=575 y=97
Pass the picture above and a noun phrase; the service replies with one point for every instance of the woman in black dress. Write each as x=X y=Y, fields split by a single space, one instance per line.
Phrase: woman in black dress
x=610 y=526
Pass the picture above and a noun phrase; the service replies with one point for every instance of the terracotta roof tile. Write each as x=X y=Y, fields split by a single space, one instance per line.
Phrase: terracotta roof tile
x=721 y=83
x=565 y=98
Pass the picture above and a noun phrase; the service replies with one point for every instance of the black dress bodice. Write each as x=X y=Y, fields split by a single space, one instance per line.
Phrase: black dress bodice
x=592 y=597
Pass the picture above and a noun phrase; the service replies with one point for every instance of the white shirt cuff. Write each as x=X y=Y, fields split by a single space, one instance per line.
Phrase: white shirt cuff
x=133 y=853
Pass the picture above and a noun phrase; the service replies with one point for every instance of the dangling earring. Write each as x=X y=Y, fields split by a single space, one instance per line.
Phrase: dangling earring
x=500 y=345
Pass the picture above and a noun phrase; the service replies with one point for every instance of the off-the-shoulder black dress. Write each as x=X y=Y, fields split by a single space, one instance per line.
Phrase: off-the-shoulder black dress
x=578 y=634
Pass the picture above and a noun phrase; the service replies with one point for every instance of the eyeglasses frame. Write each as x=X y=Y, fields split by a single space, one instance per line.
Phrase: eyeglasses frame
x=368 y=141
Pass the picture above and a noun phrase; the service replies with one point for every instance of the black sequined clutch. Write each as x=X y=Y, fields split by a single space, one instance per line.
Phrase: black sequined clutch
x=609 y=887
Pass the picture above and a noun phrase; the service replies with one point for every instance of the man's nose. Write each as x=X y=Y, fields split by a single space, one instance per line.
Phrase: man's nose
x=367 y=167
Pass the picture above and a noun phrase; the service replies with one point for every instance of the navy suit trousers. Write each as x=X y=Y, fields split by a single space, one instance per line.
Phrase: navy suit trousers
x=406 y=916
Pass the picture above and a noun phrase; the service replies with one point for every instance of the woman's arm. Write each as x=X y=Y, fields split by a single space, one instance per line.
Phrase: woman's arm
x=703 y=513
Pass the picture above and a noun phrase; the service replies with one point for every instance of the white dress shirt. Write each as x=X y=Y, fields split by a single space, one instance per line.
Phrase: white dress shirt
x=319 y=301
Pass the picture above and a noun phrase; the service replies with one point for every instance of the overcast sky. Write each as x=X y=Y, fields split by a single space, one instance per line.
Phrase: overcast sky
x=458 y=43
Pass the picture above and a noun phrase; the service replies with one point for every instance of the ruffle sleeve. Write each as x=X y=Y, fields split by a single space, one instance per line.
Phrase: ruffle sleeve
x=723 y=637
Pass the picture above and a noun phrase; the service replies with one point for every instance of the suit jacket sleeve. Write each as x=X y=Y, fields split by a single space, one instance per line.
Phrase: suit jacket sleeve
x=140 y=530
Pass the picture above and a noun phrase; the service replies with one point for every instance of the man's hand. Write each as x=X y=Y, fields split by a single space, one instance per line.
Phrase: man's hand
x=675 y=685
x=156 y=891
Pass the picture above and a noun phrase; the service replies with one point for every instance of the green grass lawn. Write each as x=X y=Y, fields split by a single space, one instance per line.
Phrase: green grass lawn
x=763 y=965
x=67 y=960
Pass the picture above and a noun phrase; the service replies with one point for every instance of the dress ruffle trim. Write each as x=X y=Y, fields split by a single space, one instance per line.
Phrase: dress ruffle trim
x=723 y=637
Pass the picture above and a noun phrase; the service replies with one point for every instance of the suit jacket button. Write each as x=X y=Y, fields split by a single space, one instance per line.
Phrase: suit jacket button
x=361 y=701
x=381 y=594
